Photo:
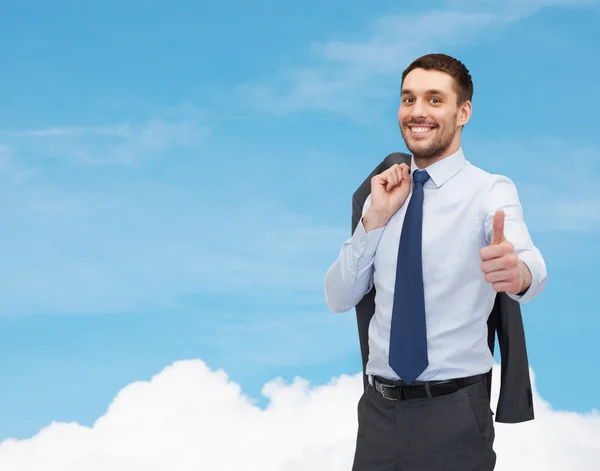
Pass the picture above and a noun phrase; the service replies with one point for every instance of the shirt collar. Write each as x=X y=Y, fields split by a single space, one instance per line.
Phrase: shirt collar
x=441 y=171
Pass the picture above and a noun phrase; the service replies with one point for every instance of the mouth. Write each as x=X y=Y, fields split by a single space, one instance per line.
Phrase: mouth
x=420 y=131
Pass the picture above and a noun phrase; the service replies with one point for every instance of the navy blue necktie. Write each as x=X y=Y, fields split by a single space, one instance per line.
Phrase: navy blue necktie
x=408 y=336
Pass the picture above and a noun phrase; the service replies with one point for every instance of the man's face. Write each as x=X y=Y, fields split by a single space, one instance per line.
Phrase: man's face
x=429 y=115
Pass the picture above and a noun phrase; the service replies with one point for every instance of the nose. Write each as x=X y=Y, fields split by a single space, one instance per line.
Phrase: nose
x=418 y=109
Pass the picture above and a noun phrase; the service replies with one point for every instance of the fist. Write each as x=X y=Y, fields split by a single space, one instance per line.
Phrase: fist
x=500 y=264
x=389 y=191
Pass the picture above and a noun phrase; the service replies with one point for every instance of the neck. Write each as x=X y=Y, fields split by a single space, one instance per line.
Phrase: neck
x=424 y=162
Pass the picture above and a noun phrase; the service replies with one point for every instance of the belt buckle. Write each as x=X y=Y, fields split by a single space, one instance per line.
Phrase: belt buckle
x=383 y=393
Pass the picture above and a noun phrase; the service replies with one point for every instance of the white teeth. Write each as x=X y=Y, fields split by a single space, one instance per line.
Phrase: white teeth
x=420 y=129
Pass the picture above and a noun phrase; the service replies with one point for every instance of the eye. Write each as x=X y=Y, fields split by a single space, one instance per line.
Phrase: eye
x=436 y=100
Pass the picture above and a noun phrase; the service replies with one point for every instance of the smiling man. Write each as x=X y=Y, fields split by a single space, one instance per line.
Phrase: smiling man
x=437 y=240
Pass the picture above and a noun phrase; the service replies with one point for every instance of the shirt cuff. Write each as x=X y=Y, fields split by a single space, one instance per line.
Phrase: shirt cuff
x=364 y=244
x=537 y=269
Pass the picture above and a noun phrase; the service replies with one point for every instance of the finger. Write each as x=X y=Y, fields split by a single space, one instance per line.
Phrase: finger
x=494 y=264
x=501 y=287
x=406 y=173
x=508 y=261
x=398 y=174
x=496 y=277
x=391 y=179
x=491 y=252
x=384 y=179
x=506 y=287
x=500 y=275
x=498 y=228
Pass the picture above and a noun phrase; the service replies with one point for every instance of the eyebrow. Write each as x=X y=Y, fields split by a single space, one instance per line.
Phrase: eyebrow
x=428 y=92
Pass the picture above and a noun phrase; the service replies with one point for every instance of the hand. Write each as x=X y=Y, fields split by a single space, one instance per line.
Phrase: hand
x=501 y=265
x=389 y=191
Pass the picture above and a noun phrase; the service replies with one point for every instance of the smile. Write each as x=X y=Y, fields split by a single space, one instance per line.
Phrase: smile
x=420 y=130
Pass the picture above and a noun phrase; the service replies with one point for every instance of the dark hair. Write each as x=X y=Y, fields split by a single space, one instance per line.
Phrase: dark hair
x=449 y=65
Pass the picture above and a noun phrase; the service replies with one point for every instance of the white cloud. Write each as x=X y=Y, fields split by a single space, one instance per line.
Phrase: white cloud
x=122 y=144
x=115 y=131
x=188 y=417
x=346 y=76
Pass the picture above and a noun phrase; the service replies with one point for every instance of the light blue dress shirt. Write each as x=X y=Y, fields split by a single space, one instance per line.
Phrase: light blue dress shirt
x=460 y=200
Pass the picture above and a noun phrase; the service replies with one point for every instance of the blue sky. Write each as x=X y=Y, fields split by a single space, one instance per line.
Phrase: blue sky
x=175 y=179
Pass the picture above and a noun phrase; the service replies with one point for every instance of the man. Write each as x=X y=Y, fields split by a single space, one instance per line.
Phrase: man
x=437 y=240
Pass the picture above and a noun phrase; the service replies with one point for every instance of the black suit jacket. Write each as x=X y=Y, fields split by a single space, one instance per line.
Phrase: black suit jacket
x=515 y=402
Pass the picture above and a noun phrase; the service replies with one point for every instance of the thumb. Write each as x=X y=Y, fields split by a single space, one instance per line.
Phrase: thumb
x=498 y=228
x=406 y=176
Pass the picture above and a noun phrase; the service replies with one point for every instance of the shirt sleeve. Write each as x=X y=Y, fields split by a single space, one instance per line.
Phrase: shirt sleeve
x=502 y=194
x=350 y=277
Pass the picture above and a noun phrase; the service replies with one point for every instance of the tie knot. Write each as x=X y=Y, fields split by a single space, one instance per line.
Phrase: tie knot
x=421 y=176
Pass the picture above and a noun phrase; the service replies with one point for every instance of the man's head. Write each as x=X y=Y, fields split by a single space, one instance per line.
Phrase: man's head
x=436 y=94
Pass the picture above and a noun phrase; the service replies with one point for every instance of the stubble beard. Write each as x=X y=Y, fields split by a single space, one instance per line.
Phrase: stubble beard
x=437 y=146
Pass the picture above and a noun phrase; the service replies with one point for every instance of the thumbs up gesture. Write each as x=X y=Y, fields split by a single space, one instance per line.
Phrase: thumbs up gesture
x=500 y=263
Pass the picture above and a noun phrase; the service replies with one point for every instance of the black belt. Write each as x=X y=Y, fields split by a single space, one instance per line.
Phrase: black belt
x=400 y=392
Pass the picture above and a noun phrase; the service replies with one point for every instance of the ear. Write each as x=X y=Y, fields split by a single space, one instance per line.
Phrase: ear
x=464 y=113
